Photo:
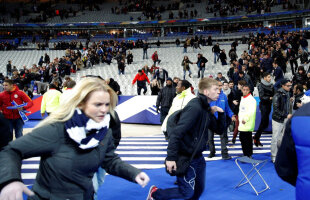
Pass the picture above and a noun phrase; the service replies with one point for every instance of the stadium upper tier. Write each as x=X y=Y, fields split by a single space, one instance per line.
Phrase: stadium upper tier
x=111 y=12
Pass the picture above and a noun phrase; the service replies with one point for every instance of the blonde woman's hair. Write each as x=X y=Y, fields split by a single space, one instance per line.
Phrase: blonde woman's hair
x=78 y=96
x=206 y=83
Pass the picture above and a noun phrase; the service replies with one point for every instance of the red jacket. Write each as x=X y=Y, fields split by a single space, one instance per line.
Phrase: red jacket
x=154 y=57
x=19 y=97
x=139 y=77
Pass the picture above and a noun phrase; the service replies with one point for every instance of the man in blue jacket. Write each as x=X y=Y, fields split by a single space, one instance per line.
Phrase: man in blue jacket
x=221 y=102
x=293 y=155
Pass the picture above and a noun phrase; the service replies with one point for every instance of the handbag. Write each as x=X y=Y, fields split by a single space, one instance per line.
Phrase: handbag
x=183 y=161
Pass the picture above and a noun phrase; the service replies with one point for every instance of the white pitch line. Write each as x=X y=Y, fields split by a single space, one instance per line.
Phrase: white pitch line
x=29 y=175
x=30 y=166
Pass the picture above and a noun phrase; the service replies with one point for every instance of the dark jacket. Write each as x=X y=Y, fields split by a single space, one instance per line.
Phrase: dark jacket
x=5 y=135
x=115 y=86
x=200 y=61
x=280 y=103
x=298 y=100
x=300 y=78
x=293 y=153
x=184 y=137
x=265 y=92
x=165 y=96
x=266 y=65
x=65 y=171
x=278 y=74
x=115 y=125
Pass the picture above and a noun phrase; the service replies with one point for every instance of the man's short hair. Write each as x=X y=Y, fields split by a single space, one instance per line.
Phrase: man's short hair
x=242 y=82
x=219 y=73
x=230 y=81
x=71 y=84
x=241 y=72
x=246 y=86
x=300 y=87
x=52 y=86
x=9 y=81
x=185 y=84
x=225 y=82
x=206 y=83
x=265 y=74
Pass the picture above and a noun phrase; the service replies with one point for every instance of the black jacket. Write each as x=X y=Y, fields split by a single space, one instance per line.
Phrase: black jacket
x=185 y=136
x=66 y=171
x=115 y=86
x=165 y=96
x=5 y=135
x=298 y=100
x=265 y=92
x=280 y=108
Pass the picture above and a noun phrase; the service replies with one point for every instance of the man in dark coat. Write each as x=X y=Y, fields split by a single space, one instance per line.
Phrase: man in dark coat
x=114 y=85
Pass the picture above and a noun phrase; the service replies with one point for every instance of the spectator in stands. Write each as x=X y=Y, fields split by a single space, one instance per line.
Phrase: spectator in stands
x=129 y=58
x=303 y=56
x=279 y=58
x=161 y=75
x=155 y=87
x=201 y=64
x=226 y=89
x=9 y=68
x=277 y=74
x=223 y=57
x=220 y=78
x=232 y=54
x=304 y=44
x=79 y=63
x=50 y=101
x=235 y=104
x=55 y=78
x=164 y=99
x=177 y=42
x=292 y=57
x=185 y=63
x=70 y=155
x=28 y=91
x=46 y=58
x=184 y=95
x=247 y=78
x=141 y=79
x=266 y=64
x=155 y=58
x=300 y=77
x=266 y=93
x=247 y=115
x=145 y=47
x=121 y=67
x=221 y=102
x=298 y=93
x=281 y=113
x=11 y=92
x=216 y=51
x=114 y=85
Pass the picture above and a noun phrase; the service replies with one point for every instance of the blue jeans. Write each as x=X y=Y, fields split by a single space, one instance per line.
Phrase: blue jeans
x=216 y=56
x=121 y=72
x=98 y=180
x=144 y=54
x=202 y=69
x=17 y=126
x=184 y=71
x=190 y=186
x=185 y=50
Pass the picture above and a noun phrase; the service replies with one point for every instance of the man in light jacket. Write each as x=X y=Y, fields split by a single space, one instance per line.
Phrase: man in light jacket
x=247 y=115
x=50 y=100
x=184 y=95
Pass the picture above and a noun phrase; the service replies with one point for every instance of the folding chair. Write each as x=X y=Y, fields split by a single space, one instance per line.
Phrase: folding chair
x=257 y=165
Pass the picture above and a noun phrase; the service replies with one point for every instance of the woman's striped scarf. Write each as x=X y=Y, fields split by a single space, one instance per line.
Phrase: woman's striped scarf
x=85 y=131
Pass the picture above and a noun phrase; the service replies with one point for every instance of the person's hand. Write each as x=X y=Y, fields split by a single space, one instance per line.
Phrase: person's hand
x=233 y=118
x=243 y=122
x=271 y=98
x=235 y=102
x=14 y=191
x=292 y=99
x=289 y=116
x=142 y=179
x=20 y=109
x=216 y=109
x=298 y=105
x=42 y=115
x=171 y=165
